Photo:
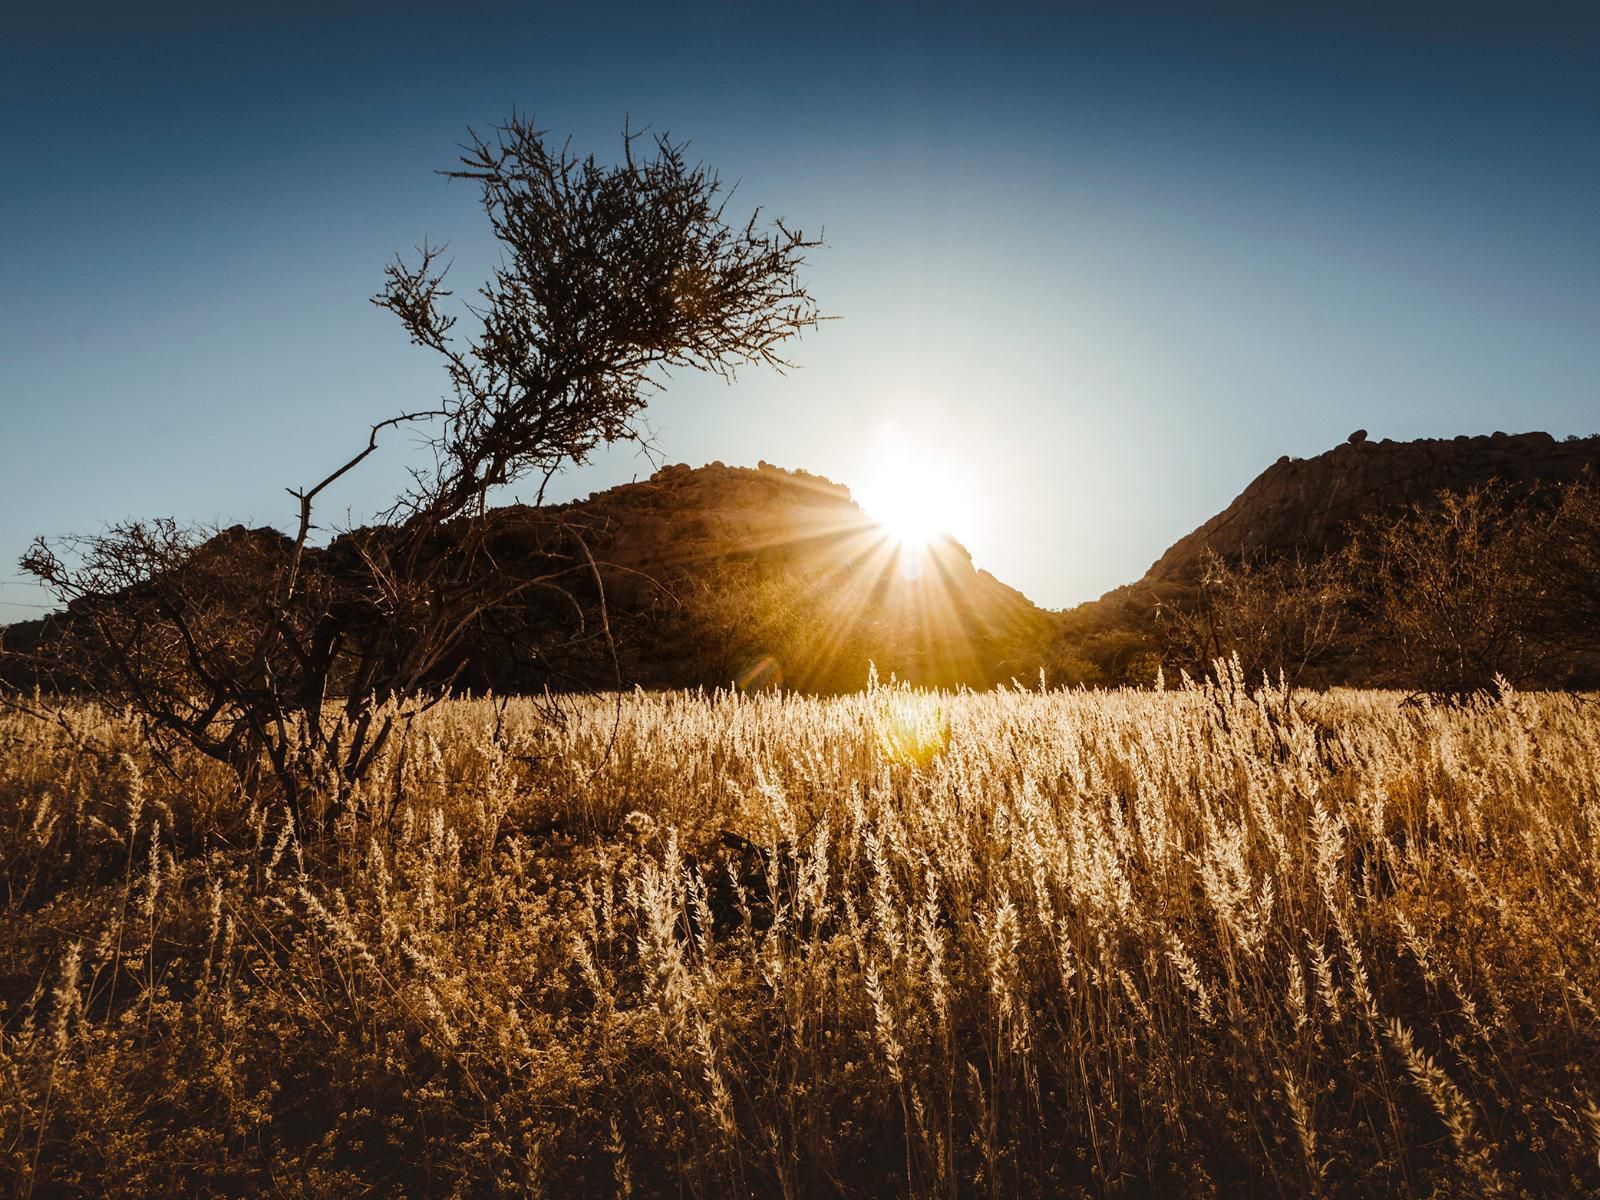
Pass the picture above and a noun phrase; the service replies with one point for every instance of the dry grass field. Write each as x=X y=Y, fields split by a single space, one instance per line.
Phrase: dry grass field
x=1201 y=941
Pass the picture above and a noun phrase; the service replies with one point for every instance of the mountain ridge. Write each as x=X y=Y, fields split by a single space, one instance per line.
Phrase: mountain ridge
x=719 y=574
x=1360 y=477
x=1304 y=508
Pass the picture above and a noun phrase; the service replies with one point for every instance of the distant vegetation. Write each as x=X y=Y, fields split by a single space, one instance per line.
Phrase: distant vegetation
x=1199 y=942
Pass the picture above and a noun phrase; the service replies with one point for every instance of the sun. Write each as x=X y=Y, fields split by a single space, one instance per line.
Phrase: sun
x=915 y=499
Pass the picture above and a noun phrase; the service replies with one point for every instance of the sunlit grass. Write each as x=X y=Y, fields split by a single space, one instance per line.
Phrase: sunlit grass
x=1200 y=942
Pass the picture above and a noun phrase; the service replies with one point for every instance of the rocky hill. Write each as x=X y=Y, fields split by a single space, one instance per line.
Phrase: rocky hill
x=763 y=575
x=1305 y=505
x=710 y=576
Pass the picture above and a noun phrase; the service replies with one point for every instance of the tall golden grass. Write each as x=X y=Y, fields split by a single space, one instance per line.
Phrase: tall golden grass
x=1202 y=941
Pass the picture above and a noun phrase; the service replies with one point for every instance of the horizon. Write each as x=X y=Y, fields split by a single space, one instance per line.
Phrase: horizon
x=1108 y=266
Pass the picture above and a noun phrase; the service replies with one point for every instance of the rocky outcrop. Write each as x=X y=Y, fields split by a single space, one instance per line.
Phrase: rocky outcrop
x=758 y=576
x=1306 y=505
x=762 y=575
x=683 y=519
x=722 y=573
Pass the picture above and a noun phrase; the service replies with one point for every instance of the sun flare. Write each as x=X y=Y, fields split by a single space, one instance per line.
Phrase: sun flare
x=916 y=500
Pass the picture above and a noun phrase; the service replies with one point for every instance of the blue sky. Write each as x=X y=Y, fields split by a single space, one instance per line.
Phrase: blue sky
x=1112 y=260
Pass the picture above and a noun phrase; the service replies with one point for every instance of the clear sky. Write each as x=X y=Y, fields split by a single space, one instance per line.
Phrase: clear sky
x=1111 y=260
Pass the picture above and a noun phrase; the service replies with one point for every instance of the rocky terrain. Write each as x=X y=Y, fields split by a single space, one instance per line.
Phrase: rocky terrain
x=1306 y=504
x=765 y=577
x=1307 y=508
x=709 y=576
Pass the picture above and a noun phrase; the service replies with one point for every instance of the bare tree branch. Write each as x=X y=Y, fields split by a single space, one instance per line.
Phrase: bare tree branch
x=249 y=644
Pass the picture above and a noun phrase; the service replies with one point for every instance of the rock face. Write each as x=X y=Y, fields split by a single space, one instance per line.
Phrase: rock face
x=765 y=576
x=709 y=576
x=684 y=519
x=1301 y=507
x=1305 y=505
x=722 y=574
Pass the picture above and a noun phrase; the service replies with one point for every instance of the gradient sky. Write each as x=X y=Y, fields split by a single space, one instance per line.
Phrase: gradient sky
x=1113 y=260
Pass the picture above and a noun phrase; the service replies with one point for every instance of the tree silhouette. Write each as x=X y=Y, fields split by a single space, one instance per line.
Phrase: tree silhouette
x=270 y=654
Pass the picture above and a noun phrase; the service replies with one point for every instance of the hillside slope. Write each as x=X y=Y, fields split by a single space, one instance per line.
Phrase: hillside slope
x=1303 y=507
x=762 y=576
x=710 y=576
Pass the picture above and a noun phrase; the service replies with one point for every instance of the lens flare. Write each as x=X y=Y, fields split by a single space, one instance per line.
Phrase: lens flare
x=915 y=499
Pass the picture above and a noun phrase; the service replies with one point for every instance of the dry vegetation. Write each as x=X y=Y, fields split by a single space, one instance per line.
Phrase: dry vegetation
x=1194 y=942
